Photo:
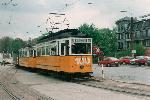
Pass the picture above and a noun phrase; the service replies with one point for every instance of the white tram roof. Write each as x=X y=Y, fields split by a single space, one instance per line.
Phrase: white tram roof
x=65 y=34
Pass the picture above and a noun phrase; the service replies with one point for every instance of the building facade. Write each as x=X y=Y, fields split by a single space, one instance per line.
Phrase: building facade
x=140 y=31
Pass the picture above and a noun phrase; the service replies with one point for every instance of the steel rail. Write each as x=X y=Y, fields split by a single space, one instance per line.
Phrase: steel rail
x=113 y=88
x=14 y=97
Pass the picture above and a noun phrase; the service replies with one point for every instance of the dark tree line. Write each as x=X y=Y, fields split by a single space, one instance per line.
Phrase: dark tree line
x=10 y=45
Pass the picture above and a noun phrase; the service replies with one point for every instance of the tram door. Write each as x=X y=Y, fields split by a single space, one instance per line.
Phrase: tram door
x=64 y=48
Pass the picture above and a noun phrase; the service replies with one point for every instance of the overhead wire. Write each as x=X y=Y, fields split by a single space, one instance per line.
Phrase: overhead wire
x=51 y=23
x=8 y=5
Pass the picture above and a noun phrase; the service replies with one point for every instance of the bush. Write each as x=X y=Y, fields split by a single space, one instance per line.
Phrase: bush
x=123 y=53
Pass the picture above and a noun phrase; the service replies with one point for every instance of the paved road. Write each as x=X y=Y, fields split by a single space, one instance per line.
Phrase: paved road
x=4 y=95
x=60 y=90
x=127 y=73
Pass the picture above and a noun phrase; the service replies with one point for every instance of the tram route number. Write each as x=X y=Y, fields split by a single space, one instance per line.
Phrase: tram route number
x=82 y=61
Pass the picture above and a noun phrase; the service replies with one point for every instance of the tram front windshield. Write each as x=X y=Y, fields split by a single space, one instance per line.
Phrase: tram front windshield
x=81 y=48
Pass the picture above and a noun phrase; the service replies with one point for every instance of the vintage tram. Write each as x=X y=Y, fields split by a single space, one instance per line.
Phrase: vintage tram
x=67 y=52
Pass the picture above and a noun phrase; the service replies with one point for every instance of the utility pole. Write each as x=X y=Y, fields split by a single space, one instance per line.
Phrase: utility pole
x=131 y=31
x=132 y=36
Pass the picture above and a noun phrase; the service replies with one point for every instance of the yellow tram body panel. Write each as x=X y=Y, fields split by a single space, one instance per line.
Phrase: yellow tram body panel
x=23 y=61
x=32 y=62
x=69 y=64
x=27 y=62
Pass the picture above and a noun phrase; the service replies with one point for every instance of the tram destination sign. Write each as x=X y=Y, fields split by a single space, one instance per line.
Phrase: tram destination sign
x=81 y=40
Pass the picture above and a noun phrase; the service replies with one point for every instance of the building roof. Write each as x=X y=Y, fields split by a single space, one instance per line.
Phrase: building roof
x=126 y=19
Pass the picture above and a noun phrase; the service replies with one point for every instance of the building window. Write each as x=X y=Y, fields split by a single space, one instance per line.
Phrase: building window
x=122 y=36
x=148 y=32
x=144 y=42
x=118 y=35
x=147 y=42
x=138 y=34
x=128 y=44
x=127 y=36
x=144 y=33
x=120 y=45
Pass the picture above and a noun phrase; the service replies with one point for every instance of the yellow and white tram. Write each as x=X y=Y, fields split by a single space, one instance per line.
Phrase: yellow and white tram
x=65 y=52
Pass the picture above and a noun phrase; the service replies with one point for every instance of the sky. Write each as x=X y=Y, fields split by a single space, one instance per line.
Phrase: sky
x=31 y=18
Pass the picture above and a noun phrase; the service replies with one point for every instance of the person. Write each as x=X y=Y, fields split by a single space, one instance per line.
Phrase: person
x=3 y=62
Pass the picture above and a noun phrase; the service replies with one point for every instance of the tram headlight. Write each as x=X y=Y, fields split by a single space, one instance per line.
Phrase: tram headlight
x=81 y=66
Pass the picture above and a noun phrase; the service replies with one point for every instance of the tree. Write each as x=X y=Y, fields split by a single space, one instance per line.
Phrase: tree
x=6 y=44
x=107 y=41
x=105 y=38
x=17 y=44
x=140 y=49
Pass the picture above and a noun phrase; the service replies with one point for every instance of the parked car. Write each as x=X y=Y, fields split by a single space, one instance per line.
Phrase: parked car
x=148 y=62
x=132 y=61
x=141 y=60
x=109 y=62
x=125 y=60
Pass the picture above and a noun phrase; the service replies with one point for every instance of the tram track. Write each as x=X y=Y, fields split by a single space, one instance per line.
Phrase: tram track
x=112 y=85
x=108 y=84
x=14 y=97
x=3 y=86
x=102 y=84
x=15 y=89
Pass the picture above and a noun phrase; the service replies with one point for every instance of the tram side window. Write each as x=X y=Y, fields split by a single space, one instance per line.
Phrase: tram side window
x=25 y=53
x=47 y=50
x=30 y=53
x=20 y=53
x=43 y=51
x=53 y=51
x=81 y=48
x=62 y=48
x=38 y=51
x=67 y=47
x=34 y=53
